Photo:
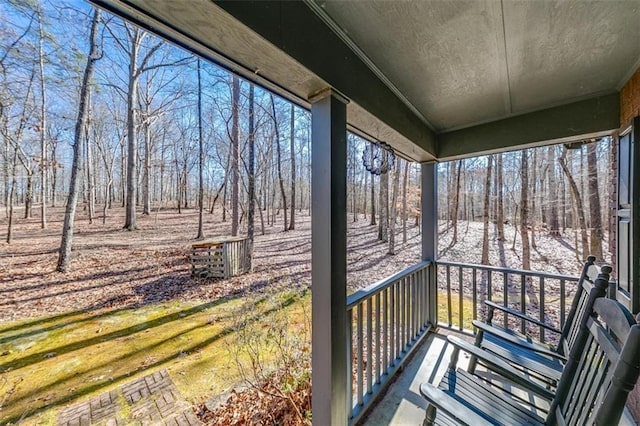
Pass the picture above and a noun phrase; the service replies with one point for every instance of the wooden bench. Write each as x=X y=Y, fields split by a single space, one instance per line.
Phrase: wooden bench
x=540 y=360
x=221 y=257
x=602 y=368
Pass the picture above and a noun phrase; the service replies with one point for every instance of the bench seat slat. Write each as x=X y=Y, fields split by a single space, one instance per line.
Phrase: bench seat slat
x=549 y=367
x=465 y=388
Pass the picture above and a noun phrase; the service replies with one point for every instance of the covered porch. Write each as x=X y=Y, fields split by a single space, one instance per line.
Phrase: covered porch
x=435 y=81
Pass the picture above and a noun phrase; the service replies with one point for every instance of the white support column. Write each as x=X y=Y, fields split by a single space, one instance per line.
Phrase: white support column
x=329 y=259
x=429 y=207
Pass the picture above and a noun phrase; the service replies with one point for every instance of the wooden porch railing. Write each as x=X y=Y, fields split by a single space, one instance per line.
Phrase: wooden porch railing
x=463 y=288
x=385 y=322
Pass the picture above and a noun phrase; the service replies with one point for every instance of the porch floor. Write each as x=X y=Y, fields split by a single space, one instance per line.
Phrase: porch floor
x=402 y=403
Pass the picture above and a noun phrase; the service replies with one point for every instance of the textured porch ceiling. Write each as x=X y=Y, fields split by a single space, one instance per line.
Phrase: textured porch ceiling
x=436 y=79
x=464 y=62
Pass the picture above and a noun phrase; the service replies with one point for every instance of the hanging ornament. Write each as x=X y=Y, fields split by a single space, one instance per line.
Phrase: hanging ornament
x=378 y=158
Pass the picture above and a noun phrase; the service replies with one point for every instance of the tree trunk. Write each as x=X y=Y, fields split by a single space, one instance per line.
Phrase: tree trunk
x=91 y=192
x=595 y=214
x=373 y=195
x=132 y=148
x=283 y=194
x=383 y=221
x=500 y=201
x=11 y=195
x=456 y=203
x=146 y=176
x=534 y=182
x=28 y=195
x=404 y=202
x=487 y=200
x=67 y=229
x=524 y=223
x=235 y=155
x=524 y=210
x=552 y=211
x=292 y=220
x=43 y=126
x=252 y=177
x=200 y=235
x=578 y=202
x=54 y=176
x=394 y=209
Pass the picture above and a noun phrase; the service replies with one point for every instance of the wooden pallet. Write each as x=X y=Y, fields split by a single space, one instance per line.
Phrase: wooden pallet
x=221 y=257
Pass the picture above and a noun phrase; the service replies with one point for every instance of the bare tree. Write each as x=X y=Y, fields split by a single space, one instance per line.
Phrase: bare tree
x=81 y=122
x=500 y=200
x=292 y=220
x=200 y=235
x=404 y=202
x=383 y=203
x=393 y=212
x=252 y=176
x=283 y=194
x=140 y=62
x=579 y=208
x=524 y=210
x=595 y=216
x=485 y=228
x=235 y=154
x=456 y=200
x=43 y=122
x=552 y=196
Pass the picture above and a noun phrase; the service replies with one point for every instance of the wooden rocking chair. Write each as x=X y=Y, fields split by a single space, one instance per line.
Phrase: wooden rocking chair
x=539 y=360
x=602 y=368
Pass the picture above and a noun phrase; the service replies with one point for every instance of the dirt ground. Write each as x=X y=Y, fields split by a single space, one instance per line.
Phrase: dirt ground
x=113 y=268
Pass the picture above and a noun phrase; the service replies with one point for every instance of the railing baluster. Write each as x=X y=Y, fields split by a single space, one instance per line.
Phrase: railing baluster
x=392 y=324
x=385 y=330
x=403 y=316
x=449 y=295
x=425 y=297
x=523 y=301
x=562 y=303
x=505 y=295
x=474 y=295
x=378 y=359
x=398 y=320
x=460 y=298
x=369 y=344
x=359 y=377
x=415 y=306
x=541 y=309
x=350 y=360
x=489 y=285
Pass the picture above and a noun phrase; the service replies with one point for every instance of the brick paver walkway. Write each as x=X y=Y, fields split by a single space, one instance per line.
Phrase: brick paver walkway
x=150 y=400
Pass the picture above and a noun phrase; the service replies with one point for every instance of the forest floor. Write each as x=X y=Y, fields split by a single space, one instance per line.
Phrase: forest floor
x=112 y=268
x=124 y=284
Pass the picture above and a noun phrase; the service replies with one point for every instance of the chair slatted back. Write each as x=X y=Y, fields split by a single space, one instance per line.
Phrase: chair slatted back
x=570 y=330
x=601 y=370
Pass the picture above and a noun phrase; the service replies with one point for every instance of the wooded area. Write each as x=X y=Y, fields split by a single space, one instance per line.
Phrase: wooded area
x=99 y=113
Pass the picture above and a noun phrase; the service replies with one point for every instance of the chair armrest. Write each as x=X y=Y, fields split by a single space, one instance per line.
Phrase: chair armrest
x=516 y=340
x=455 y=409
x=501 y=367
x=520 y=315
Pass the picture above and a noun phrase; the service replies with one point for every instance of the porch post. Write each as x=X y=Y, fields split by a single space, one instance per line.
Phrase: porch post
x=329 y=258
x=429 y=207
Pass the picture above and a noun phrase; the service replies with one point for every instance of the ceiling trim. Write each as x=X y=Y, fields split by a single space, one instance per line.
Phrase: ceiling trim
x=591 y=118
x=333 y=25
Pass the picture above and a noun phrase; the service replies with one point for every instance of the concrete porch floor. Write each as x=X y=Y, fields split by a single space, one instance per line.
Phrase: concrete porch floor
x=402 y=405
